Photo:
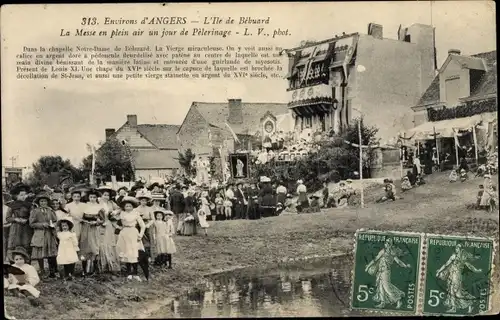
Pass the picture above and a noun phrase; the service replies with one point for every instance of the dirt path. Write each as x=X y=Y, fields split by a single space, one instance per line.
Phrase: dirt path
x=438 y=207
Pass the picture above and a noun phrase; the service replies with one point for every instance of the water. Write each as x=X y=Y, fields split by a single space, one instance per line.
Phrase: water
x=319 y=288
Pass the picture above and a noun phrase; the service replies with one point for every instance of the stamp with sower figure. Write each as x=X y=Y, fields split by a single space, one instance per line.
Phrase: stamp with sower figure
x=457 y=275
x=386 y=271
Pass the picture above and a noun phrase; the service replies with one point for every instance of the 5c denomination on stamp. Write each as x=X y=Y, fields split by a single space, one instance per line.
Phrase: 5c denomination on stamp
x=386 y=271
x=457 y=276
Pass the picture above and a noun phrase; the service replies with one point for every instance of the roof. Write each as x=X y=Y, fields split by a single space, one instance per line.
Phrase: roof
x=155 y=159
x=163 y=136
x=487 y=84
x=216 y=114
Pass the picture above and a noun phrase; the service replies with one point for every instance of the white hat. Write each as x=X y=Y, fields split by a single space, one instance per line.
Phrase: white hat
x=143 y=194
x=264 y=179
x=300 y=181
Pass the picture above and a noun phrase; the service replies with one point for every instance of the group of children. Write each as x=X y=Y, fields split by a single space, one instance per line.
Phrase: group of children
x=101 y=232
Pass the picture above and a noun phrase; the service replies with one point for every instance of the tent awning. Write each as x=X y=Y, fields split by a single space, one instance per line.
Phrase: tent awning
x=445 y=128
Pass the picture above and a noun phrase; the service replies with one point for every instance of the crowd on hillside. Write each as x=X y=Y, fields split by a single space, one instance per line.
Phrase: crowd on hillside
x=114 y=231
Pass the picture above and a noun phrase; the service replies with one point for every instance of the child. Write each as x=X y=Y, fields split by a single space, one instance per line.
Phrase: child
x=420 y=180
x=290 y=205
x=228 y=208
x=171 y=249
x=219 y=205
x=67 y=254
x=405 y=184
x=279 y=208
x=202 y=218
x=453 y=175
x=479 y=196
x=161 y=238
x=494 y=199
x=22 y=284
x=463 y=175
x=314 y=206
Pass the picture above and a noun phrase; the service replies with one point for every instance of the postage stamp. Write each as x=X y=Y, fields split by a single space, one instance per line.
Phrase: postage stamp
x=386 y=271
x=458 y=274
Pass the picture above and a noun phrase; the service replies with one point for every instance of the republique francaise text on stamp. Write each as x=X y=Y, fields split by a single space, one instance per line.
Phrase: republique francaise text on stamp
x=386 y=271
x=457 y=275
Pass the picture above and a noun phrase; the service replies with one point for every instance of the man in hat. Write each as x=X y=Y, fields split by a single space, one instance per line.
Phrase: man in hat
x=177 y=204
x=241 y=202
x=20 y=232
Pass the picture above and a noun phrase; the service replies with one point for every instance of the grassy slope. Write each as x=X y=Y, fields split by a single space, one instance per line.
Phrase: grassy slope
x=438 y=207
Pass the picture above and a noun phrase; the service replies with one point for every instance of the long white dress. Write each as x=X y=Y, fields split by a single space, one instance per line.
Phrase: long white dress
x=68 y=248
x=128 y=245
x=76 y=211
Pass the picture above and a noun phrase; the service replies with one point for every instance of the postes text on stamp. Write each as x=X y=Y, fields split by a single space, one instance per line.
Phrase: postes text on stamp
x=457 y=275
x=386 y=271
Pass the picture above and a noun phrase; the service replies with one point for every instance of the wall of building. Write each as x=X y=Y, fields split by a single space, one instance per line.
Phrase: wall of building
x=134 y=139
x=154 y=173
x=388 y=86
x=454 y=71
x=420 y=117
x=194 y=135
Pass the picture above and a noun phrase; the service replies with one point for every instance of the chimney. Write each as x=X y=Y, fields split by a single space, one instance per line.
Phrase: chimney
x=235 y=111
x=132 y=120
x=376 y=30
x=454 y=51
x=109 y=133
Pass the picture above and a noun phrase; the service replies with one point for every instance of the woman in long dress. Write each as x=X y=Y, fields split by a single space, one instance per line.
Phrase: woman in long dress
x=303 y=203
x=267 y=204
x=130 y=239
x=386 y=293
x=148 y=218
x=44 y=242
x=17 y=215
x=108 y=258
x=451 y=272
x=75 y=209
x=90 y=233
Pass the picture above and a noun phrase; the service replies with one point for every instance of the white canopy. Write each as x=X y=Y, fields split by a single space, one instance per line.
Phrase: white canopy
x=445 y=128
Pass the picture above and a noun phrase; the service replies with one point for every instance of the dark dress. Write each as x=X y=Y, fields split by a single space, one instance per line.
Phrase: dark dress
x=177 y=202
x=20 y=234
x=267 y=203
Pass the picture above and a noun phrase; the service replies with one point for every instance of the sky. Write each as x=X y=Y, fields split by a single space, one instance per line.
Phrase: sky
x=55 y=117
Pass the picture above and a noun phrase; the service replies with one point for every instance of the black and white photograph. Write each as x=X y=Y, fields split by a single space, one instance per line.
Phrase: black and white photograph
x=225 y=160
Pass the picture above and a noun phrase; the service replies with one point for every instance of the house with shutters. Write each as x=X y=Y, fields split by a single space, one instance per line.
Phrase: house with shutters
x=209 y=126
x=460 y=105
x=153 y=148
x=332 y=82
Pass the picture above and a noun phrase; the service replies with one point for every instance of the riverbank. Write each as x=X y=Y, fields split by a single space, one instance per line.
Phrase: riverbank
x=438 y=207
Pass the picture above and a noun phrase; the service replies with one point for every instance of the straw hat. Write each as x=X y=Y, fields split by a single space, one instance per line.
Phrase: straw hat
x=128 y=199
x=158 y=196
x=349 y=181
x=21 y=251
x=112 y=193
x=141 y=194
x=168 y=213
x=41 y=196
x=18 y=188
x=159 y=210
x=265 y=179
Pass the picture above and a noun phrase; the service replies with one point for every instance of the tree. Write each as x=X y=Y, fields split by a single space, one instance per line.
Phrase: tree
x=112 y=158
x=186 y=162
x=334 y=160
x=52 y=170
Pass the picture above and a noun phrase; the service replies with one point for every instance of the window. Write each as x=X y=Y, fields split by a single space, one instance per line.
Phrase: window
x=452 y=91
x=307 y=122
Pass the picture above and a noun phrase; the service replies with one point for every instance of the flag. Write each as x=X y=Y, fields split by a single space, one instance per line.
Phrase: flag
x=235 y=137
x=348 y=57
x=308 y=65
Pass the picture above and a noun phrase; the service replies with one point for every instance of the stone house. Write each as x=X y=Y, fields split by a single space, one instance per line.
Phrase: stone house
x=153 y=148
x=209 y=126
